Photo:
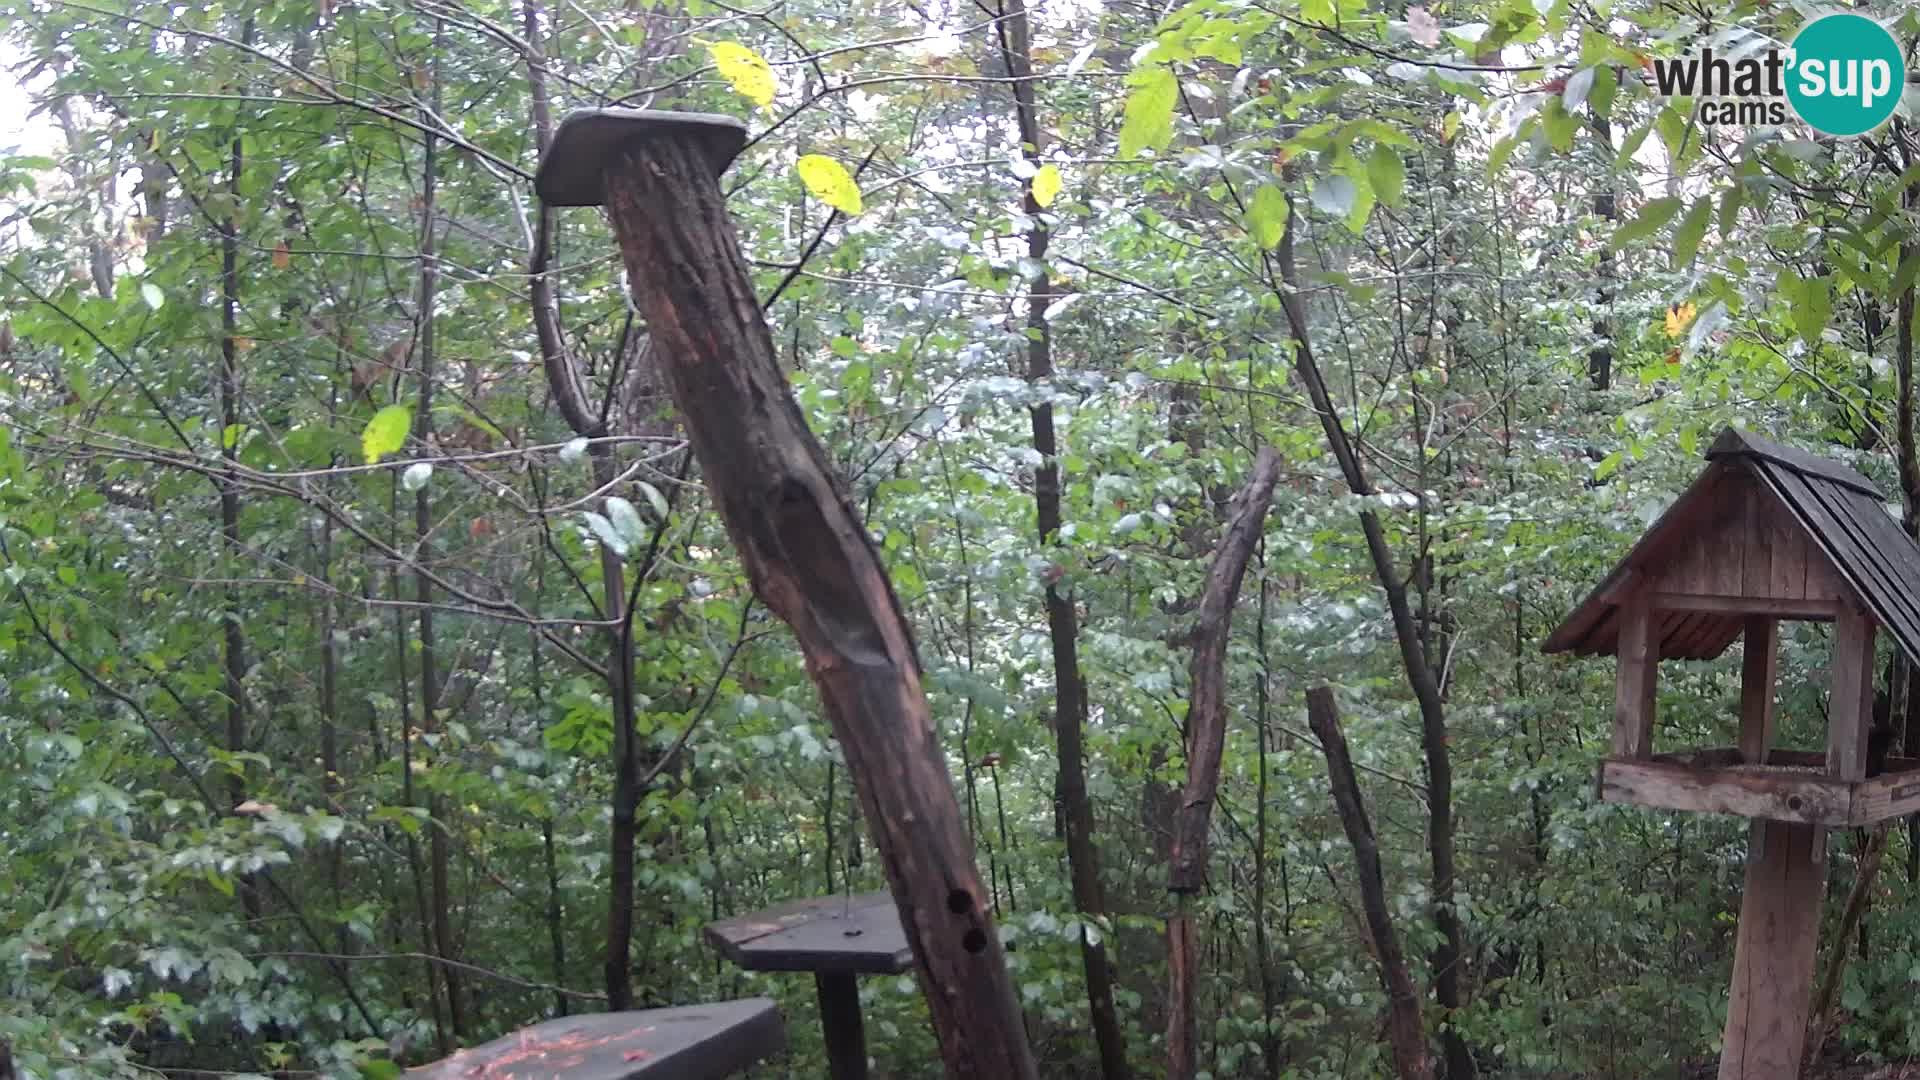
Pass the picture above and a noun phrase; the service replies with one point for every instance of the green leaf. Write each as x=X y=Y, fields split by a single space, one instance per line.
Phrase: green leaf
x=1730 y=208
x=386 y=432
x=1903 y=277
x=1632 y=145
x=1334 y=194
x=656 y=501
x=1693 y=228
x=604 y=531
x=830 y=182
x=1646 y=222
x=230 y=435
x=626 y=521
x=1809 y=303
x=1502 y=152
x=1148 y=122
x=1560 y=125
x=1388 y=175
x=1267 y=216
x=1318 y=11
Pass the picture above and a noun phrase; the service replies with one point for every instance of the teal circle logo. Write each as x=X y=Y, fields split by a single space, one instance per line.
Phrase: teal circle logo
x=1845 y=74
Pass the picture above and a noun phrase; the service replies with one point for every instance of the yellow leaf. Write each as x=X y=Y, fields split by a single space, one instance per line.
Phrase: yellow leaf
x=829 y=181
x=745 y=69
x=1046 y=185
x=1678 y=319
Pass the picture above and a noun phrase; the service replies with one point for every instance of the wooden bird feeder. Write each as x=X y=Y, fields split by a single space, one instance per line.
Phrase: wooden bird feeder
x=1766 y=533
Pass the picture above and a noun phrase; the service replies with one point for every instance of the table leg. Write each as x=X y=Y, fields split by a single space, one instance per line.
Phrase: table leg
x=841 y=1022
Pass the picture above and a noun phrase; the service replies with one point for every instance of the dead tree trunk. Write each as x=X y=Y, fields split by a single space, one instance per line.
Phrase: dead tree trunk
x=1409 y=1043
x=1206 y=740
x=807 y=555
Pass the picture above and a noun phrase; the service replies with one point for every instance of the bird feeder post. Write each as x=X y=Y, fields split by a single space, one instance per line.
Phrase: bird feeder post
x=806 y=553
x=1774 y=951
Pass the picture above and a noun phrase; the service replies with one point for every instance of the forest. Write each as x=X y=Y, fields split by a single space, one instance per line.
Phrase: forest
x=1104 y=476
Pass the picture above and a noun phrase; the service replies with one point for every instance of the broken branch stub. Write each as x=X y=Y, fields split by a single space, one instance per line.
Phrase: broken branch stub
x=806 y=553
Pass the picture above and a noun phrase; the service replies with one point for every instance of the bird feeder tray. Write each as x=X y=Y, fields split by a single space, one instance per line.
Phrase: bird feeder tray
x=1792 y=786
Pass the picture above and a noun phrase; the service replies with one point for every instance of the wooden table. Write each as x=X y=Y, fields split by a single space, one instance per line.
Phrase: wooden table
x=837 y=938
x=693 y=1042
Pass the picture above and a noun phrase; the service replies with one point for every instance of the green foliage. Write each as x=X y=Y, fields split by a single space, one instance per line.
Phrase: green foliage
x=1491 y=198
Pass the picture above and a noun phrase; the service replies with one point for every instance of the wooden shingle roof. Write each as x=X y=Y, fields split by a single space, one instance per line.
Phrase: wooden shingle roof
x=1844 y=523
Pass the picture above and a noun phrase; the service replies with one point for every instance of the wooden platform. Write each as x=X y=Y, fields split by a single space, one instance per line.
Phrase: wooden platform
x=694 y=1042
x=830 y=935
x=1793 y=786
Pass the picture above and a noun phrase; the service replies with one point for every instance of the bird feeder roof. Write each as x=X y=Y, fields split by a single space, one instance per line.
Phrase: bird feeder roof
x=1766 y=529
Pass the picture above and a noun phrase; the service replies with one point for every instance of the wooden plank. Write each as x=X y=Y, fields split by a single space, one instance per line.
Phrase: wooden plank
x=1756 y=570
x=1803 y=797
x=1801 y=609
x=1636 y=674
x=850 y=935
x=1758 y=667
x=1894 y=793
x=1724 y=545
x=1697 y=642
x=1788 y=542
x=1774 y=952
x=1850 y=703
x=694 y=1042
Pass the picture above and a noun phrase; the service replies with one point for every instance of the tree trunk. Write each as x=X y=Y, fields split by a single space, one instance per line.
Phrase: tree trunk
x=233 y=622
x=438 y=851
x=1448 y=953
x=1403 y=1001
x=810 y=559
x=1074 y=809
x=1206 y=741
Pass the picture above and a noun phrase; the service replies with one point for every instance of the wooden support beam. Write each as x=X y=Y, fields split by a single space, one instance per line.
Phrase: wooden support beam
x=1789 y=608
x=1850 y=704
x=1773 y=953
x=1757 y=671
x=1635 y=679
